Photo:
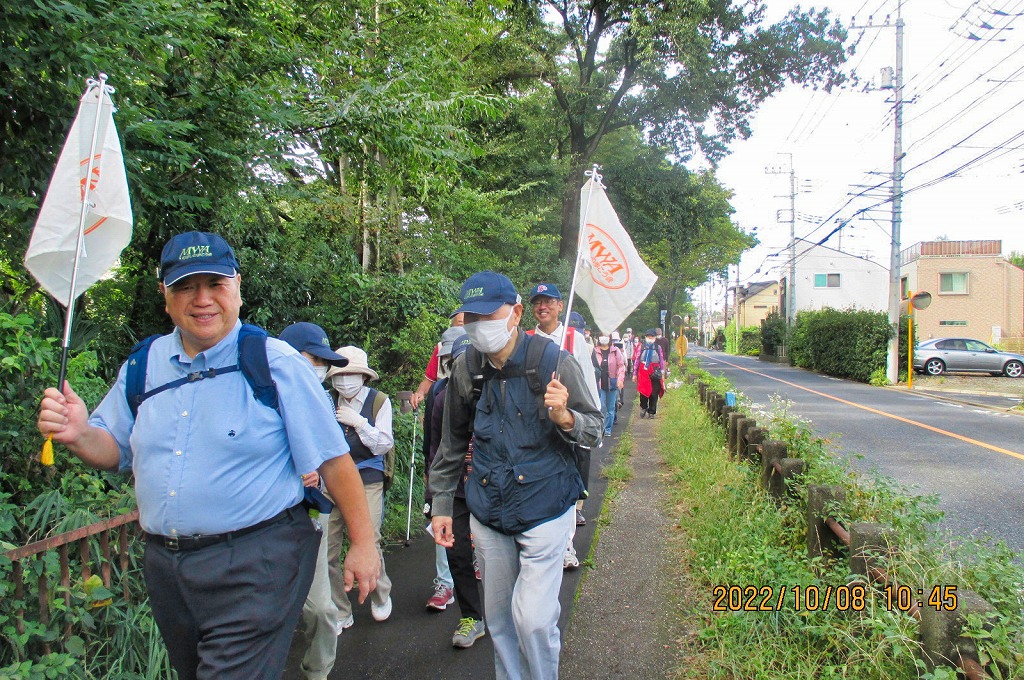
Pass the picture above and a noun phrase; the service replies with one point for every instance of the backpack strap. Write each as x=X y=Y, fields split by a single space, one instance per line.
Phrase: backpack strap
x=255 y=365
x=135 y=374
x=252 y=362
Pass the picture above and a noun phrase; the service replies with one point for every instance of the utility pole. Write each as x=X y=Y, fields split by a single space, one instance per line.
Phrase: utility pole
x=791 y=283
x=736 y=306
x=893 y=355
x=896 y=196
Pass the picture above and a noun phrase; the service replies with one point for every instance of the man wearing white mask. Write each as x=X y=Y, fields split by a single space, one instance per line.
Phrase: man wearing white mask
x=366 y=416
x=525 y=404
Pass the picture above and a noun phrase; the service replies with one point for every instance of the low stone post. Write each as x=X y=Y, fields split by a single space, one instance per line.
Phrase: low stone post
x=702 y=390
x=870 y=544
x=772 y=451
x=733 y=431
x=940 y=632
x=779 y=483
x=755 y=439
x=822 y=541
x=743 y=430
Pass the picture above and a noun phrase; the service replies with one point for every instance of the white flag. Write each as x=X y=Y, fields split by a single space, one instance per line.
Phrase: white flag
x=611 y=277
x=108 y=220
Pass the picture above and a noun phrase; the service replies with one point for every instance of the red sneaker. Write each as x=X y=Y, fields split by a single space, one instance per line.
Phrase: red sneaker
x=442 y=597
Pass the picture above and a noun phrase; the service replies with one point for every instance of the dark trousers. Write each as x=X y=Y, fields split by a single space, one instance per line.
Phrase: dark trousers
x=228 y=611
x=650 y=404
x=460 y=561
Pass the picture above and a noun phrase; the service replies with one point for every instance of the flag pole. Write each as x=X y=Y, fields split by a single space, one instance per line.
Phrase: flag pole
x=46 y=457
x=101 y=84
x=595 y=177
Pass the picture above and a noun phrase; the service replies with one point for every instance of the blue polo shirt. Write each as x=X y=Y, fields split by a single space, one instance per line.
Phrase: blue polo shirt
x=208 y=457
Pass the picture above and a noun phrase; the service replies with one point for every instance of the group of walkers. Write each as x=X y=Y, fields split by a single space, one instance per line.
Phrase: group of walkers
x=261 y=467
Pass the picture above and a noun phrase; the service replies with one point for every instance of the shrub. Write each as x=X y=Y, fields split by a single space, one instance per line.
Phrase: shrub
x=773 y=333
x=845 y=343
x=749 y=341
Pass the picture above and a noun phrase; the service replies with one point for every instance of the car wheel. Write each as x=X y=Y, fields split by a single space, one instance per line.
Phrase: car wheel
x=934 y=367
x=1013 y=369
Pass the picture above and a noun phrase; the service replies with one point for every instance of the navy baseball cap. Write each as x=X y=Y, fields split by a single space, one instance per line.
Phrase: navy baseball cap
x=545 y=289
x=308 y=337
x=460 y=346
x=576 y=321
x=484 y=292
x=196 y=252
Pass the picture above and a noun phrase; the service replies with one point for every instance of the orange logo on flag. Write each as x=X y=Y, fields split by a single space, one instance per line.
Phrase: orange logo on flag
x=94 y=178
x=608 y=265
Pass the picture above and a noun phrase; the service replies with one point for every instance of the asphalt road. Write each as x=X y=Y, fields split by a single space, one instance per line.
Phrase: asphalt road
x=972 y=458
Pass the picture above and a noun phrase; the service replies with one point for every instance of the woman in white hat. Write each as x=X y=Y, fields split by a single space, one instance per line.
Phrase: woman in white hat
x=366 y=417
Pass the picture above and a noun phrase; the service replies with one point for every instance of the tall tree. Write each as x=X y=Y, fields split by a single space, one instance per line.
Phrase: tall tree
x=686 y=74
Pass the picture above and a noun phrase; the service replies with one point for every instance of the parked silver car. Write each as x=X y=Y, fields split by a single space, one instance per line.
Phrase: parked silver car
x=938 y=355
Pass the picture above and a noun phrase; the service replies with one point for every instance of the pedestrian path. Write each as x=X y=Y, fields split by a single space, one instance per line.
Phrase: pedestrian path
x=622 y=623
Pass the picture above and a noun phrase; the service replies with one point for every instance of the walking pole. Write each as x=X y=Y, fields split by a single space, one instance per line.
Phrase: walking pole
x=412 y=470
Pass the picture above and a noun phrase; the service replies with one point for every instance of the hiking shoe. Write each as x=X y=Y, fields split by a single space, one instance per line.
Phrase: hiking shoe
x=580 y=519
x=442 y=597
x=468 y=632
x=570 y=561
x=342 y=626
x=381 y=612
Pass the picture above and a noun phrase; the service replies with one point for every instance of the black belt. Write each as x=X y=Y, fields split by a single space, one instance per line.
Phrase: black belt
x=203 y=540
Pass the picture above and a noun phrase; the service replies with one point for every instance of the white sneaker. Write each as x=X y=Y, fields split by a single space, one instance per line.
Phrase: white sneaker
x=570 y=561
x=381 y=612
x=342 y=626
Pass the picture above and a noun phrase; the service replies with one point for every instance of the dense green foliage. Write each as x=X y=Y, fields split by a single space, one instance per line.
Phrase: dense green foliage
x=844 y=343
x=746 y=343
x=773 y=333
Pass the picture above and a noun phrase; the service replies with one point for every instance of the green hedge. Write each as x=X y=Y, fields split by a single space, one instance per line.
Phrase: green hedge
x=750 y=341
x=845 y=343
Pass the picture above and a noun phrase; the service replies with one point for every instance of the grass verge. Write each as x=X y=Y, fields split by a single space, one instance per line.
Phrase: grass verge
x=735 y=536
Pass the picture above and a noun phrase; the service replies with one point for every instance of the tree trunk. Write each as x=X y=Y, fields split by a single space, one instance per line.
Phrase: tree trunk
x=570 y=231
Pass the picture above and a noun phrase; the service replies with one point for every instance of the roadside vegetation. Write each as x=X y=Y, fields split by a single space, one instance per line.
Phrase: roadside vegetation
x=735 y=535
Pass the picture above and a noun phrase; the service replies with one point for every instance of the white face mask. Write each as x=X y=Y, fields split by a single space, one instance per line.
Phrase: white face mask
x=602 y=340
x=489 y=336
x=347 y=384
x=321 y=372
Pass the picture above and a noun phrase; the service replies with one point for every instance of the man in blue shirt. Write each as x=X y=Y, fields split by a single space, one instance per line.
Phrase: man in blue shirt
x=230 y=550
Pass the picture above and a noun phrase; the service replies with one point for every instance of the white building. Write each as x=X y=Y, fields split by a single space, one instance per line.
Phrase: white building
x=831 y=278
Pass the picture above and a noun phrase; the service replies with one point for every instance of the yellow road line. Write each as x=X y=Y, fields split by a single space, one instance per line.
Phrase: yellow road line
x=874 y=410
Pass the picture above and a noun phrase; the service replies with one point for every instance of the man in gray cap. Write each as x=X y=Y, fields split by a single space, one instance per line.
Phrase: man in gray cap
x=218 y=474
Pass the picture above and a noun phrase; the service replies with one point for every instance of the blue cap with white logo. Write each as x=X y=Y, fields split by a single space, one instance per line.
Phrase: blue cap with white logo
x=484 y=292
x=196 y=252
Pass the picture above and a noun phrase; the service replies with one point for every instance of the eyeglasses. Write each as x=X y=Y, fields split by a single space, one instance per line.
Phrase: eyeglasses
x=544 y=302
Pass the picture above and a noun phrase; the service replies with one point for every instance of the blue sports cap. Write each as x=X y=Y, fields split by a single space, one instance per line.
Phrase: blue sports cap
x=460 y=346
x=196 y=252
x=576 y=321
x=545 y=289
x=308 y=337
x=484 y=292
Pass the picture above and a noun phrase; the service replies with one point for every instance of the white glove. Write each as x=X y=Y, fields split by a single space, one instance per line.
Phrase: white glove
x=347 y=415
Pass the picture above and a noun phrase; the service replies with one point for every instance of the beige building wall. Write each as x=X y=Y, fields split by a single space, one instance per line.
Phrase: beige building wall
x=993 y=302
x=757 y=307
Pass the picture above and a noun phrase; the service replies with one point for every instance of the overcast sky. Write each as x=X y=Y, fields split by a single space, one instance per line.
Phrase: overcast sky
x=963 y=130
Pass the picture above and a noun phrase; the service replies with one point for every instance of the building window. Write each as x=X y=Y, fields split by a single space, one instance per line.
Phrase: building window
x=952 y=323
x=904 y=288
x=826 y=280
x=953 y=283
